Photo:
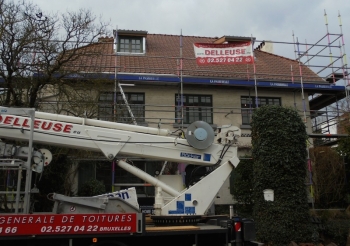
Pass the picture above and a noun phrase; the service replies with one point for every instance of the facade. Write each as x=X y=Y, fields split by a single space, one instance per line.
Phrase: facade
x=164 y=87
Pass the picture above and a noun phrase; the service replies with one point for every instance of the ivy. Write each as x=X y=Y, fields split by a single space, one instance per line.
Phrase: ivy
x=54 y=179
x=242 y=187
x=92 y=187
x=344 y=143
x=279 y=152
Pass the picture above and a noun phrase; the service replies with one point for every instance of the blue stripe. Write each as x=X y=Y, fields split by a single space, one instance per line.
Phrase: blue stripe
x=213 y=81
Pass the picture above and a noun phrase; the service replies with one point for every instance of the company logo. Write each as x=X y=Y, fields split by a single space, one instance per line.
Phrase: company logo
x=189 y=155
x=185 y=206
x=122 y=195
x=323 y=86
x=38 y=124
x=148 y=78
x=279 y=84
x=219 y=81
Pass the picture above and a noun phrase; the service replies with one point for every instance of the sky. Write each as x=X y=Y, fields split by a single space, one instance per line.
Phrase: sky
x=274 y=20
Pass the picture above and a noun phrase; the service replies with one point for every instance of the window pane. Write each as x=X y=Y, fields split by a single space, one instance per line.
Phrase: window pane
x=133 y=98
x=246 y=117
x=130 y=44
x=196 y=107
x=206 y=115
x=103 y=97
x=140 y=98
x=135 y=101
x=250 y=102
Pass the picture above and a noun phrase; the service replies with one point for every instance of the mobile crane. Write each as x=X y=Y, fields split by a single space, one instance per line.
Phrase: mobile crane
x=106 y=220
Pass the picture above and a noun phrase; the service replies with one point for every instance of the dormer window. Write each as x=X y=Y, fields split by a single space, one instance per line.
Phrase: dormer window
x=131 y=42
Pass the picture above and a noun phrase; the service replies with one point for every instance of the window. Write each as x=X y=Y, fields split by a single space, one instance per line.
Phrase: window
x=130 y=44
x=196 y=107
x=250 y=103
x=136 y=103
x=105 y=106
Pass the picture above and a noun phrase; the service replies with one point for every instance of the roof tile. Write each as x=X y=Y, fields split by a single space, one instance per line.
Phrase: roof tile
x=163 y=55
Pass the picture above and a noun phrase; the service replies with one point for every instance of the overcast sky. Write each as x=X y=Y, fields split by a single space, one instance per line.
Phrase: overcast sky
x=274 y=20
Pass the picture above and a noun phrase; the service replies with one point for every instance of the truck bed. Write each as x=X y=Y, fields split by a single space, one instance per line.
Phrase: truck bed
x=201 y=234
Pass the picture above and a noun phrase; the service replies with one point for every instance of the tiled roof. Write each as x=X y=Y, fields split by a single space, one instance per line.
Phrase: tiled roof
x=162 y=57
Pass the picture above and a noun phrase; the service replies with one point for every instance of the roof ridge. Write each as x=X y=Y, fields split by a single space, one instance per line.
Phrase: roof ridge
x=175 y=35
x=276 y=55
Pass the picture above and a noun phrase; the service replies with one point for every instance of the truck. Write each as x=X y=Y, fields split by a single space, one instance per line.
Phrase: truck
x=179 y=216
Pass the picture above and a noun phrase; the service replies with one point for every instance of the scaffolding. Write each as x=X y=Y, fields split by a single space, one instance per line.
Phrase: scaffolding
x=325 y=110
x=13 y=162
x=331 y=46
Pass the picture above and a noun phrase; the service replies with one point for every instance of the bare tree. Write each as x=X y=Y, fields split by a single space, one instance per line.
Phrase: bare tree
x=328 y=177
x=73 y=97
x=18 y=32
x=35 y=48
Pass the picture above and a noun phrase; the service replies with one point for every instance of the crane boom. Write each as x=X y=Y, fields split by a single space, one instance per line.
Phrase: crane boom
x=109 y=137
x=114 y=139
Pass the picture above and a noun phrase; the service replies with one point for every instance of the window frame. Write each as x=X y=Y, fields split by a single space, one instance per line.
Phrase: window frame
x=130 y=49
x=202 y=111
x=248 y=103
x=137 y=106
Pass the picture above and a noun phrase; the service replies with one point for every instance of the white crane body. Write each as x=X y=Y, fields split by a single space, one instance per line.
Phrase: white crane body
x=108 y=138
x=122 y=140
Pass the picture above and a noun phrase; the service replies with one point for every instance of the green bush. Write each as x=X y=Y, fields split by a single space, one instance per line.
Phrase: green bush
x=337 y=231
x=335 y=225
x=92 y=187
x=280 y=156
x=52 y=180
x=242 y=187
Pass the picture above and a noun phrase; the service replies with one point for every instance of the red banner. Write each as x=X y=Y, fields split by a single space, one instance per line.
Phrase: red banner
x=47 y=224
x=231 y=53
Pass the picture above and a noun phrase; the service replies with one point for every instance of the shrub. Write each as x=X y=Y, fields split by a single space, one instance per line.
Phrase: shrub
x=242 y=187
x=279 y=153
x=92 y=187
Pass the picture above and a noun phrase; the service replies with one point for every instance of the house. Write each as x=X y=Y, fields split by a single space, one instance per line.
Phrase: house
x=165 y=87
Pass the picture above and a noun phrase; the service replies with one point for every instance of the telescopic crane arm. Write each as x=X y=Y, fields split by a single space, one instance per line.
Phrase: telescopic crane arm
x=115 y=139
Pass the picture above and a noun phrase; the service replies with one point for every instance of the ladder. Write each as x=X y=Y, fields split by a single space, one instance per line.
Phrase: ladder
x=127 y=104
